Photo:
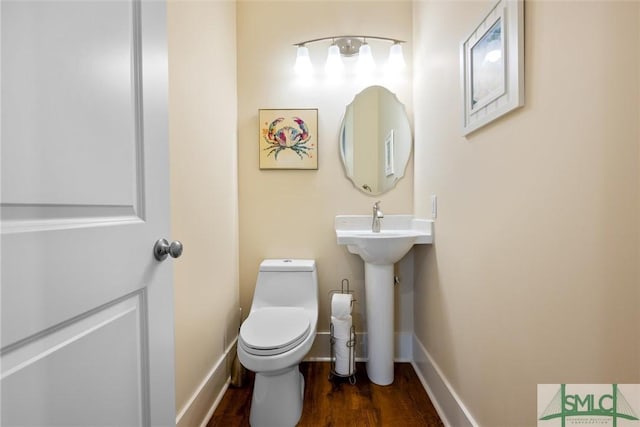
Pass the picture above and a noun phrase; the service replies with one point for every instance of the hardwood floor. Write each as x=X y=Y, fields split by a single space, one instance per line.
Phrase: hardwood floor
x=337 y=403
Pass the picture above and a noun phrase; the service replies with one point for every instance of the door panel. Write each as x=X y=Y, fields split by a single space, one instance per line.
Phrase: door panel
x=52 y=373
x=87 y=312
x=72 y=113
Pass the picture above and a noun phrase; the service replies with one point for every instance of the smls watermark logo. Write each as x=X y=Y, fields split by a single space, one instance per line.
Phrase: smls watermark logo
x=616 y=405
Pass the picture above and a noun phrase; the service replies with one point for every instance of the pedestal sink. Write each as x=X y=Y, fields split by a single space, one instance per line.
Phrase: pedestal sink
x=380 y=251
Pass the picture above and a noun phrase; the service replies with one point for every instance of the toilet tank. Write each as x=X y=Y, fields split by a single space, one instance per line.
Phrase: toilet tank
x=286 y=283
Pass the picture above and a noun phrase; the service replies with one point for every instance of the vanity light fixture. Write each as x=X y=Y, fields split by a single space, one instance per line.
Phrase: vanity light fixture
x=348 y=46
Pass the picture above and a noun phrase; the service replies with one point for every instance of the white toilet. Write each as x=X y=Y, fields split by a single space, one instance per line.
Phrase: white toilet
x=276 y=336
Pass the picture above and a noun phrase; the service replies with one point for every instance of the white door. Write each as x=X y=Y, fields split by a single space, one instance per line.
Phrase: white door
x=87 y=312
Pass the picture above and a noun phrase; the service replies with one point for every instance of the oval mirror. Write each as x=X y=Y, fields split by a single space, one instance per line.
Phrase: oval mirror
x=375 y=140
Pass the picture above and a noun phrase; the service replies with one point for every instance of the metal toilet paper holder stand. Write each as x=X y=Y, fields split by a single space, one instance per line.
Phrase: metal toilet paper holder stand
x=351 y=343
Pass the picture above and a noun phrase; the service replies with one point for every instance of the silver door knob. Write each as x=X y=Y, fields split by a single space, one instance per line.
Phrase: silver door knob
x=162 y=248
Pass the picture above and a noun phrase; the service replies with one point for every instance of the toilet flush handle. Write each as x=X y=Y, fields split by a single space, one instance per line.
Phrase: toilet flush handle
x=162 y=248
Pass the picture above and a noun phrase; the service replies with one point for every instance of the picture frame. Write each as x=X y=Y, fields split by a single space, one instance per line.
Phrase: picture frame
x=492 y=66
x=389 y=154
x=288 y=138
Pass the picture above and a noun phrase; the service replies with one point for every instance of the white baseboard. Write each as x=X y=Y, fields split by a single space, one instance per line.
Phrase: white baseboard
x=321 y=349
x=444 y=398
x=198 y=410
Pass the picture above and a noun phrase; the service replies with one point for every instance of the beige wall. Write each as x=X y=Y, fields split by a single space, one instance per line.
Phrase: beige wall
x=534 y=274
x=290 y=213
x=203 y=117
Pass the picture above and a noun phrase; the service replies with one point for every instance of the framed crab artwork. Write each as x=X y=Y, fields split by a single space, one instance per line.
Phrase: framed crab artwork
x=288 y=139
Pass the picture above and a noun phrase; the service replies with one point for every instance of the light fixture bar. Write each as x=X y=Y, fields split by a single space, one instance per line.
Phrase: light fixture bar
x=349 y=46
x=350 y=37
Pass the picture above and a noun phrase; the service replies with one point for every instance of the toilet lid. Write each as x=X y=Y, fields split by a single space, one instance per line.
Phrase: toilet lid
x=274 y=330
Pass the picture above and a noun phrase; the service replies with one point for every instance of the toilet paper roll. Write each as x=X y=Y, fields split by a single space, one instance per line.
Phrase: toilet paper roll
x=344 y=361
x=341 y=305
x=341 y=347
x=342 y=366
x=341 y=327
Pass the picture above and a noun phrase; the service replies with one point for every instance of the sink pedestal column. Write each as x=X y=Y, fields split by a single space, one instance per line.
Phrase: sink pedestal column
x=379 y=303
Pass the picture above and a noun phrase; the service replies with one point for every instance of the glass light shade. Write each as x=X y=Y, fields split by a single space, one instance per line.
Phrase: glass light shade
x=303 y=62
x=366 y=63
x=396 y=57
x=334 y=63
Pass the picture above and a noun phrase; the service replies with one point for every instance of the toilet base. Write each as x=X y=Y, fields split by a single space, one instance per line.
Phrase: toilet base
x=277 y=399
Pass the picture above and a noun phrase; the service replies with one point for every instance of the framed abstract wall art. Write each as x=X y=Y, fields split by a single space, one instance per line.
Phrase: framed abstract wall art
x=492 y=66
x=288 y=139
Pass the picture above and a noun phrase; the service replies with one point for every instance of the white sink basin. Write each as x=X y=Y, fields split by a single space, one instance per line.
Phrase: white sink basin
x=379 y=252
x=397 y=235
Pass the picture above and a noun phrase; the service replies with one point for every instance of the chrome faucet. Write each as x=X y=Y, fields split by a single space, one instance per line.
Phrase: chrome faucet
x=377 y=214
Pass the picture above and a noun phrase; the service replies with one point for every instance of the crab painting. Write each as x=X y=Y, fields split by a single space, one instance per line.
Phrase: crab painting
x=291 y=134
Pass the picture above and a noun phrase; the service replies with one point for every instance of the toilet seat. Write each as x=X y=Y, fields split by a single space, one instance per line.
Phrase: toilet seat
x=274 y=330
